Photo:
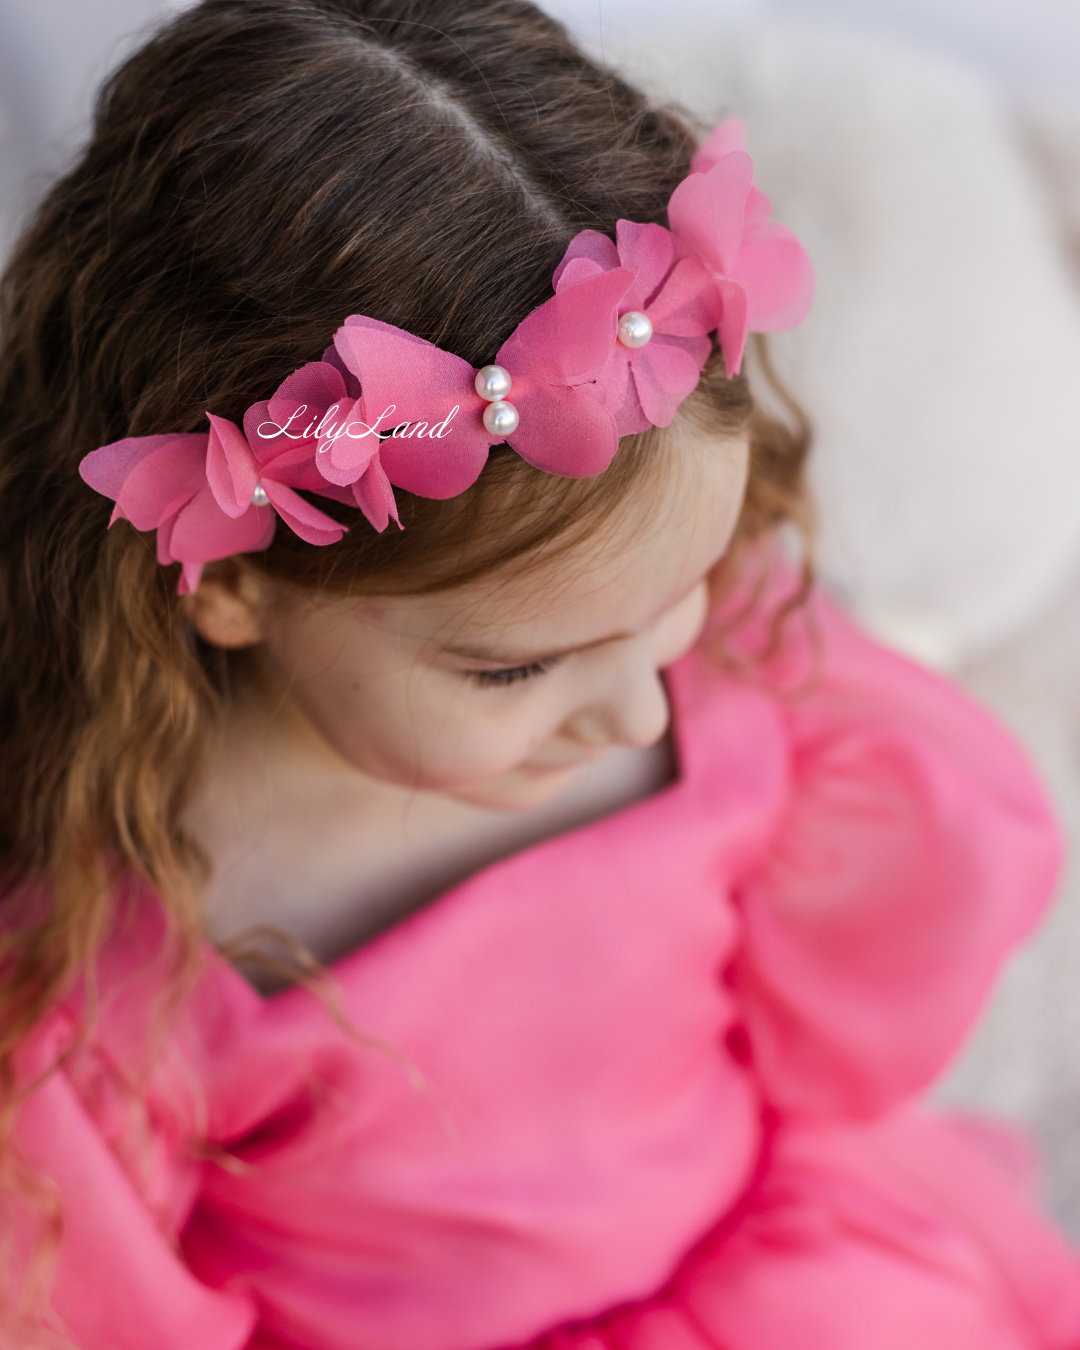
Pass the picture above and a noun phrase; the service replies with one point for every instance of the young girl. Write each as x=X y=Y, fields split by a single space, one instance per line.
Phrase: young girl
x=460 y=897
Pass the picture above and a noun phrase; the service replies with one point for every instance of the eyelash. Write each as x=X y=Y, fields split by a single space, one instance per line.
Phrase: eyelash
x=492 y=679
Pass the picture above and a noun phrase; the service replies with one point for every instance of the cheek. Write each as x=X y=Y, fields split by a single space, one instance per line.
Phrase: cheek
x=681 y=627
x=418 y=727
x=444 y=739
x=453 y=742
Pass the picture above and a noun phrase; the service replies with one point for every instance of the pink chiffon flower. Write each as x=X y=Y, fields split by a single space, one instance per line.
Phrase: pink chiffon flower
x=159 y=483
x=415 y=387
x=554 y=354
x=761 y=278
x=302 y=423
x=196 y=490
x=234 y=472
x=423 y=396
x=643 y=386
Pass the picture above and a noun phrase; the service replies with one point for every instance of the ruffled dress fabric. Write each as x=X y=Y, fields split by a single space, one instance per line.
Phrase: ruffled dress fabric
x=644 y=1086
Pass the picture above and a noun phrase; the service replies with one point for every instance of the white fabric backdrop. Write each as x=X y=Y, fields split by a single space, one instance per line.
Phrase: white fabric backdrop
x=1031 y=47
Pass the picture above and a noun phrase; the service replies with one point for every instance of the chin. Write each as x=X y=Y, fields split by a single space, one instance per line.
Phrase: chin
x=517 y=790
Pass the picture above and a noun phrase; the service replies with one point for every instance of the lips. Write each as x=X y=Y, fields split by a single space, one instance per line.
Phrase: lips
x=564 y=767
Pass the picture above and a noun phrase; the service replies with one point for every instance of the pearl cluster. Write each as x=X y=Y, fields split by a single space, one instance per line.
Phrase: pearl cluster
x=500 y=418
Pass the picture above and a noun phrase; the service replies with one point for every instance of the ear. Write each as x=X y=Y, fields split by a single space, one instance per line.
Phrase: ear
x=229 y=607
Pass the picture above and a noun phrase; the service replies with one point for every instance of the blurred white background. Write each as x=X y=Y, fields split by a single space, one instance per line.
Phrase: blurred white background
x=1031 y=46
x=928 y=153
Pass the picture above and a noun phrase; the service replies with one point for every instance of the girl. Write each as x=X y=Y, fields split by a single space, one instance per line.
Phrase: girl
x=628 y=894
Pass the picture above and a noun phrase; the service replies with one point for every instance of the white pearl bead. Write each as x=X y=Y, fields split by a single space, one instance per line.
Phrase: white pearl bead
x=501 y=419
x=635 y=328
x=259 y=497
x=492 y=383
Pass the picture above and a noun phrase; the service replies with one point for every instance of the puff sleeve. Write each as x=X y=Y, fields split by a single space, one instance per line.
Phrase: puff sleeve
x=117 y=1279
x=915 y=851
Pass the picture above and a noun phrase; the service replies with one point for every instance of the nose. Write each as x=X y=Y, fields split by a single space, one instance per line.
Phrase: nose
x=632 y=711
x=631 y=705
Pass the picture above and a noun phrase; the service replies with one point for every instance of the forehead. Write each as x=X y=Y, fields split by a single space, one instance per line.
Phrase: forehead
x=647 y=555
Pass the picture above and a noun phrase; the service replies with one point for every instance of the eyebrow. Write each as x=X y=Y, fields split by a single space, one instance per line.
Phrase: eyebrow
x=528 y=658
x=495 y=658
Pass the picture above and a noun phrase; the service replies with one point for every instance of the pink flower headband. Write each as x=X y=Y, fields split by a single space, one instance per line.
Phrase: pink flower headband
x=615 y=350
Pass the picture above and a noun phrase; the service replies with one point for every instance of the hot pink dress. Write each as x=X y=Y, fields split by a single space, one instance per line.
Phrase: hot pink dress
x=644 y=1086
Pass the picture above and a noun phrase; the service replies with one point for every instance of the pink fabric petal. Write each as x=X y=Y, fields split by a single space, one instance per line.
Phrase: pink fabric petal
x=614 y=390
x=317 y=385
x=699 y=348
x=685 y=305
x=345 y=461
x=569 y=337
x=106 y=470
x=565 y=432
x=707 y=211
x=265 y=442
x=727 y=136
x=431 y=467
x=347 y=445
x=162 y=482
x=297 y=406
x=203 y=532
x=733 y=326
x=311 y=524
x=231 y=468
x=758 y=210
x=663 y=376
x=630 y=417
x=408 y=381
x=592 y=246
x=190 y=577
x=164 y=540
x=577 y=269
x=375 y=497
x=778 y=278
x=613 y=387
x=332 y=357
x=649 y=248
x=297 y=468
x=294 y=465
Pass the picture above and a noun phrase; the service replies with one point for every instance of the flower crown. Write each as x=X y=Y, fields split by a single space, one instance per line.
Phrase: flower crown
x=615 y=350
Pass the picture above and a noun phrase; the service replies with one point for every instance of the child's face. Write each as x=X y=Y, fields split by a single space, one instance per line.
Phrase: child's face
x=498 y=692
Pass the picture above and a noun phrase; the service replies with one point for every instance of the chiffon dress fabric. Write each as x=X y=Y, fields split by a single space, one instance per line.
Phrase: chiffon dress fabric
x=647 y=1085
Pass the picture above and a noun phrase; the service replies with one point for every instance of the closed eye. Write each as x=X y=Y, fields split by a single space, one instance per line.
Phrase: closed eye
x=489 y=679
